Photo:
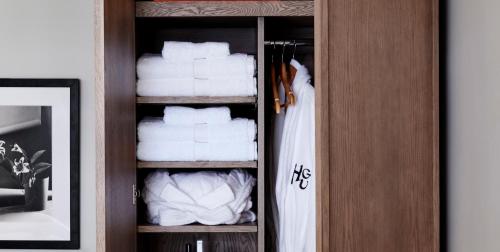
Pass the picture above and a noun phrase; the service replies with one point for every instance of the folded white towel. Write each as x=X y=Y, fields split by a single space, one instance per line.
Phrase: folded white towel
x=154 y=129
x=179 y=115
x=186 y=51
x=210 y=198
x=150 y=66
x=216 y=86
x=191 y=151
x=234 y=65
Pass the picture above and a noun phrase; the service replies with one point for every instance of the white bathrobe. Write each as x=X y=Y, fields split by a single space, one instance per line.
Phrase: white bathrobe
x=295 y=183
x=207 y=197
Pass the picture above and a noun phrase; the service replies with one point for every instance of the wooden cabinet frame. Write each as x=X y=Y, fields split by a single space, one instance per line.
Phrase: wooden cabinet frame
x=342 y=28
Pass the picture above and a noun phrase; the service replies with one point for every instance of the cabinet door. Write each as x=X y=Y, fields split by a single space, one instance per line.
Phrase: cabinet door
x=380 y=91
x=115 y=94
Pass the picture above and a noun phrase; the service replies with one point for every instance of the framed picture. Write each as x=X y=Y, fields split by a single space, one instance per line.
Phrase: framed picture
x=39 y=164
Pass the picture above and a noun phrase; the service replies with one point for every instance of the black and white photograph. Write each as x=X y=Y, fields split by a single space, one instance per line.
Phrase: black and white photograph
x=25 y=159
x=39 y=164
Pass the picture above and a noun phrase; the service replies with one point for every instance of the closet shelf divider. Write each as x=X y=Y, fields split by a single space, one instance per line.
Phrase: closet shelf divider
x=240 y=228
x=197 y=164
x=196 y=100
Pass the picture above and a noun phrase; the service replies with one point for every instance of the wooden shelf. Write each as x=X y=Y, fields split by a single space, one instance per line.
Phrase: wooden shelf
x=240 y=228
x=196 y=100
x=224 y=8
x=199 y=164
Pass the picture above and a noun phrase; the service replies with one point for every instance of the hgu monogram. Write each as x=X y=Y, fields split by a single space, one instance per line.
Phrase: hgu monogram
x=301 y=176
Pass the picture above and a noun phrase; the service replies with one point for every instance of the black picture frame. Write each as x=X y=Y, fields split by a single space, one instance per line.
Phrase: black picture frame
x=74 y=87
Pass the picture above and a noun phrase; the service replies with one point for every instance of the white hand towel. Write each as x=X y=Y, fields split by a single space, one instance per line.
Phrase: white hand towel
x=150 y=66
x=177 y=115
x=237 y=130
x=191 y=151
x=153 y=66
x=186 y=51
x=214 y=86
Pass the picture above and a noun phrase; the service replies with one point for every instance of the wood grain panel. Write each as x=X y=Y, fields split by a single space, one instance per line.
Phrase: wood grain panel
x=261 y=141
x=196 y=100
x=322 y=116
x=383 y=142
x=224 y=8
x=115 y=90
x=197 y=164
x=243 y=228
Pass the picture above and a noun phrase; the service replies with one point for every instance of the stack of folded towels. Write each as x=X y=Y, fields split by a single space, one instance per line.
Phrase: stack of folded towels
x=188 y=134
x=210 y=198
x=196 y=69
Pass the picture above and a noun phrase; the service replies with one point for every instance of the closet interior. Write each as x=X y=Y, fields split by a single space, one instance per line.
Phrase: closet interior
x=255 y=28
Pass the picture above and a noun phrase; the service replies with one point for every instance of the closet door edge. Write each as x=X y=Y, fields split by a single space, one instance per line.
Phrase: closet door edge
x=321 y=41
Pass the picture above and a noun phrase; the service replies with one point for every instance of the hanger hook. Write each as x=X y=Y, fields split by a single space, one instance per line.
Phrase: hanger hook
x=294 y=49
x=283 y=52
x=274 y=50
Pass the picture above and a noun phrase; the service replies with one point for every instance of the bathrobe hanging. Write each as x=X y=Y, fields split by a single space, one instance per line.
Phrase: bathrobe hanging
x=295 y=183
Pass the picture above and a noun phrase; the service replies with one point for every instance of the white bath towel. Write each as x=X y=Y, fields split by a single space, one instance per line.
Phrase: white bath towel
x=189 y=86
x=150 y=66
x=153 y=129
x=192 y=151
x=179 y=115
x=234 y=65
x=210 y=198
x=187 y=51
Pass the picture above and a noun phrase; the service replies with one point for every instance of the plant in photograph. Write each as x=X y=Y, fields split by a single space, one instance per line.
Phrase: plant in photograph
x=24 y=168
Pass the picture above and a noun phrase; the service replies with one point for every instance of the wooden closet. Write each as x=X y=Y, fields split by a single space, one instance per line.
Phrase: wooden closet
x=375 y=66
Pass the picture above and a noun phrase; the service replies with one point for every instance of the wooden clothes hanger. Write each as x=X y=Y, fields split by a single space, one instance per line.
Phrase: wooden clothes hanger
x=287 y=75
x=275 y=83
x=293 y=71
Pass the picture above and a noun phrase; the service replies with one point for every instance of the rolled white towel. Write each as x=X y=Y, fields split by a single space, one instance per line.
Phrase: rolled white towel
x=179 y=115
x=214 y=86
x=191 y=151
x=186 y=51
x=150 y=66
x=154 y=129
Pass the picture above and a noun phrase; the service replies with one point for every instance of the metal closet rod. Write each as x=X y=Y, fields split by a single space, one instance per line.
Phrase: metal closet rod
x=298 y=42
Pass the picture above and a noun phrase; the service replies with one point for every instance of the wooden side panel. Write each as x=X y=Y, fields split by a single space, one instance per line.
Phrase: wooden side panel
x=261 y=137
x=322 y=117
x=383 y=125
x=115 y=85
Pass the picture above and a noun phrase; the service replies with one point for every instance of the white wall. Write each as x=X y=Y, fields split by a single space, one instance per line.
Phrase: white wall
x=474 y=125
x=54 y=39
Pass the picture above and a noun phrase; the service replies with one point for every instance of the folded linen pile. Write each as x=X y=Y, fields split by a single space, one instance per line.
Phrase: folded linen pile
x=196 y=69
x=187 y=134
x=210 y=198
